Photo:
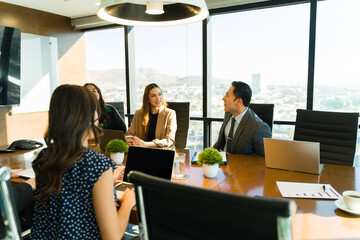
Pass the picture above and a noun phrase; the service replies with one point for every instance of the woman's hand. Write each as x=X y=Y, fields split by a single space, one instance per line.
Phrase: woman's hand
x=128 y=198
x=135 y=141
x=119 y=173
x=129 y=140
x=14 y=173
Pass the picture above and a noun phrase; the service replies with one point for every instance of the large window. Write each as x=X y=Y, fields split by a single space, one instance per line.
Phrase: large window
x=337 y=71
x=105 y=62
x=267 y=49
x=172 y=58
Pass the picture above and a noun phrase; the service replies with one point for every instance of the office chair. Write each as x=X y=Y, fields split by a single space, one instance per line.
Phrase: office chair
x=265 y=112
x=119 y=107
x=9 y=221
x=182 y=110
x=175 y=211
x=336 y=132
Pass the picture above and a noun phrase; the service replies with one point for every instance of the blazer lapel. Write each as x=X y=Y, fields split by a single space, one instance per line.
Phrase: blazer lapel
x=240 y=129
x=160 y=122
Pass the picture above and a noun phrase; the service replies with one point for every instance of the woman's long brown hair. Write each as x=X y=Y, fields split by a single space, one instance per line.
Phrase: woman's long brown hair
x=146 y=106
x=71 y=118
x=103 y=115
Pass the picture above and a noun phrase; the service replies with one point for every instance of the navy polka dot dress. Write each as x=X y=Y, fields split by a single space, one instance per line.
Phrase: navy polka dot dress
x=71 y=216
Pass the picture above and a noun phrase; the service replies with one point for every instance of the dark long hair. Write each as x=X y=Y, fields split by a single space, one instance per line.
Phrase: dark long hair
x=71 y=118
x=146 y=105
x=103 y=115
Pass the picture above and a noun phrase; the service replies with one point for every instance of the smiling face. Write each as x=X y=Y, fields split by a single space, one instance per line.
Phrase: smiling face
x=155 y=98
x=94 y=90
x=231 y=103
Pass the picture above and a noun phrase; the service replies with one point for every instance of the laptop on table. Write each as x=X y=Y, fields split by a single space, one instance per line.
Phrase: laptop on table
x=153 y=161
x=300 y=156
x=108 y=135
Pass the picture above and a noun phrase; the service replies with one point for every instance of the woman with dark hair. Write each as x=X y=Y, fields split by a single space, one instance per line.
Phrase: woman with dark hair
x=109 y=117
x=75 y=196
x=154 y=125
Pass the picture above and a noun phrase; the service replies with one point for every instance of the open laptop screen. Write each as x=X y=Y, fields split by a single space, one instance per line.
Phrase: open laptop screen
x=152 y=161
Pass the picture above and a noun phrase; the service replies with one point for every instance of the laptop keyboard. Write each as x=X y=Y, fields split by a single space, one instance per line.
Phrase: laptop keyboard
x=123 y=186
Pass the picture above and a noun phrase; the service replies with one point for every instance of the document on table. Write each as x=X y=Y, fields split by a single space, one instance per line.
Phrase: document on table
x=307 y=190
x=28 y=173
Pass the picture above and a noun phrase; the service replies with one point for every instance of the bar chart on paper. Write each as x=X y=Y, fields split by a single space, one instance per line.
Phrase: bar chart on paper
x=307 y=190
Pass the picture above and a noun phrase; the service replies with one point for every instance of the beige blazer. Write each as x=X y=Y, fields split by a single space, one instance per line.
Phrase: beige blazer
x=165 y=127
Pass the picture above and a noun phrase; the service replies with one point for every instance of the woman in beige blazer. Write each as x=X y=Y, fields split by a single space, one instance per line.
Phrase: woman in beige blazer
x=154 y=125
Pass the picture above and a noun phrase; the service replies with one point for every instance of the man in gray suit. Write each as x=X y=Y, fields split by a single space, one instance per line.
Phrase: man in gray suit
x=242 y=131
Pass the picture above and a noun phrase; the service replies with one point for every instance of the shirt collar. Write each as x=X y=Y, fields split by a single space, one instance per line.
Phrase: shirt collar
x=240 y=116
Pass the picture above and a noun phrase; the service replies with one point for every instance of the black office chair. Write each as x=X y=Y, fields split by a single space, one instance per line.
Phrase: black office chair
x=119 y=107
x=182 y=110
x=265 y=112
x=336 y=132
x=174 y=211
x=9 y=220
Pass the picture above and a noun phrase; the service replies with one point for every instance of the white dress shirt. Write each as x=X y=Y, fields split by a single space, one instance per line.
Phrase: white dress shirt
x=238 y=119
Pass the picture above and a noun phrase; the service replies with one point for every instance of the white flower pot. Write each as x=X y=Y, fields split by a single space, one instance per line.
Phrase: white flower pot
x=118 y=158
x=210 y=171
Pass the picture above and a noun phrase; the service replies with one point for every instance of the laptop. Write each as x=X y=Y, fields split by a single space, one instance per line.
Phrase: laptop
x=108 y=135
x=153 y=161
x=300 y=156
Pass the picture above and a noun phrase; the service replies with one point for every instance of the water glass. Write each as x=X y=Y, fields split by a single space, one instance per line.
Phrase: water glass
x=179 y=166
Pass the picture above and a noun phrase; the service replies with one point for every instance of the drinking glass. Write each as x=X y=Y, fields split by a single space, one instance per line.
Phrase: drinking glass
x=179 y=166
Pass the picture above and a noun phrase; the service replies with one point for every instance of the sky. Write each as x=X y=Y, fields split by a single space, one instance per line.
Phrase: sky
x=272 y=42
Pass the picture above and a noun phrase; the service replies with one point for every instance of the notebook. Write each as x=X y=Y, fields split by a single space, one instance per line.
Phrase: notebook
x=108 y=135
x=300 y=156
x=153 y=161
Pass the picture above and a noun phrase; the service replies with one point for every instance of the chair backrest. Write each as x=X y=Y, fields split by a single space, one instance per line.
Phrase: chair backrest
x=119 y=107
x=174 y=211
x=265 y=112
x=336 y=132
x=9 y=219
x=182 y=110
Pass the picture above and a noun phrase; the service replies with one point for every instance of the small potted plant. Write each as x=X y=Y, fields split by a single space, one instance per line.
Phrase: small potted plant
x=116 y=148
x=210 y=159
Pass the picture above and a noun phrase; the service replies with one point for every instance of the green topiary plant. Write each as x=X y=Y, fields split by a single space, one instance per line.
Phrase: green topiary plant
x=209 y=156
x=115 y=146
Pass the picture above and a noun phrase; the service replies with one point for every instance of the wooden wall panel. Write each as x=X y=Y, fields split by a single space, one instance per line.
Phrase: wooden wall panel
x=71 y=65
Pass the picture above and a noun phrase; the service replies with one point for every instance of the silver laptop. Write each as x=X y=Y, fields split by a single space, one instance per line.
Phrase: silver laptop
x=109 y=134
x=300 y=156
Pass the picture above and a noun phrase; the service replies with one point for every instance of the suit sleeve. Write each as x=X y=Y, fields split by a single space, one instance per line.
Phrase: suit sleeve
x=23 y=195
x=260 y=133
x=170 y=131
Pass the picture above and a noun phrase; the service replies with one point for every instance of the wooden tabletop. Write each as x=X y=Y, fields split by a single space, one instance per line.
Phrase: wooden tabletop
x=247 y=175
x=315 y=219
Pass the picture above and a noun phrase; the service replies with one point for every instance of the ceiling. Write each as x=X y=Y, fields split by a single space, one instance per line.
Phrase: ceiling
x=84 y=8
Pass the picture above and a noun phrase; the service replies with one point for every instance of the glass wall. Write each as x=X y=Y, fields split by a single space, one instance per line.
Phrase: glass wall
x=105 y=62
x=337 y=71
x=172 y=58
x=267 y=49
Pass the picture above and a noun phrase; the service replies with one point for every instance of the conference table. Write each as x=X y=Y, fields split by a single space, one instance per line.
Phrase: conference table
x=247 y=175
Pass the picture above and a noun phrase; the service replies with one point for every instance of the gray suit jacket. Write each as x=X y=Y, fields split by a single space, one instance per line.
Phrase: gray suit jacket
x=248 y=138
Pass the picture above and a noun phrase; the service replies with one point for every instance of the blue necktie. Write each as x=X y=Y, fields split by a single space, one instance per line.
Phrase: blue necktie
x=230 y=136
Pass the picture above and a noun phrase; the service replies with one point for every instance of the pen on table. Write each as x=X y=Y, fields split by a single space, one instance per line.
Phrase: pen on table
x=324 y=187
